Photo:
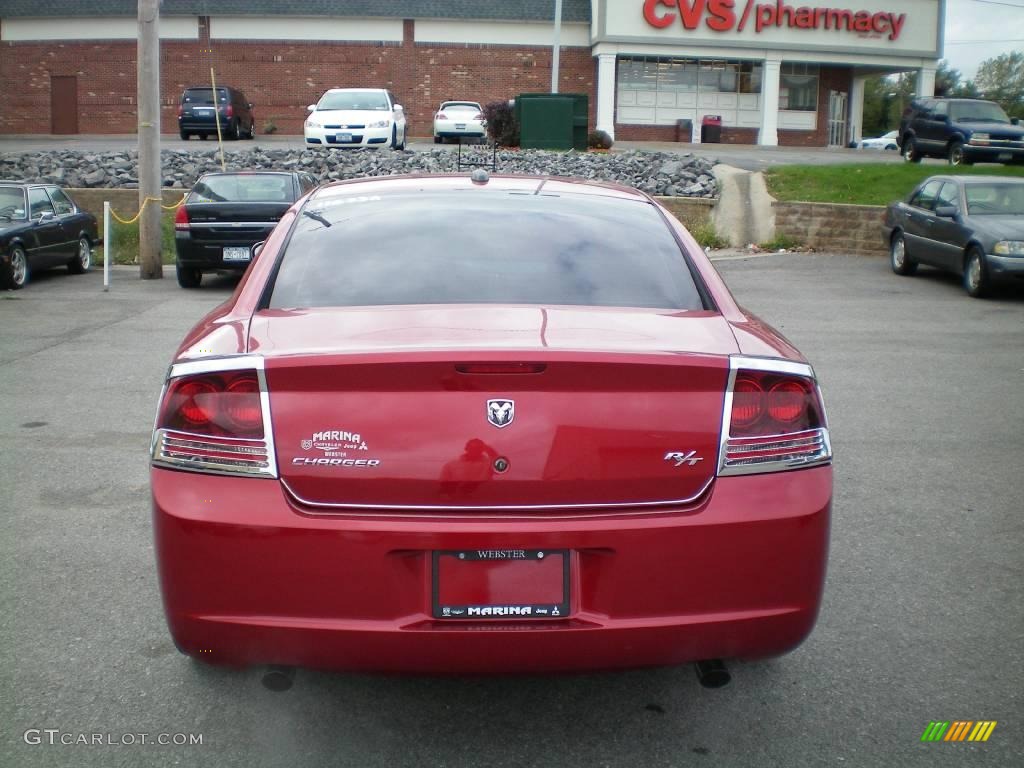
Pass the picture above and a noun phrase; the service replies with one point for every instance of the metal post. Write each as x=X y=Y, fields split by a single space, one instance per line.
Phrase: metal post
x=556 y=48
x=107 y=237
x=149 y=139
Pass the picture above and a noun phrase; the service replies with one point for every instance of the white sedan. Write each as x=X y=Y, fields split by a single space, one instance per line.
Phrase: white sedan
x=888 y=141
x=458 y=118
x=356 y=117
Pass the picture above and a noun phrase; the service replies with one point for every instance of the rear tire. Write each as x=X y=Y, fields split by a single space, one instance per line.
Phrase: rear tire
x=910 y=151
x=977 y=283
x=189 y=277
x=438 y=140
x=900 y=262
x=184 y=135
x=235 y=131
x=83 y=257
x=17 y=273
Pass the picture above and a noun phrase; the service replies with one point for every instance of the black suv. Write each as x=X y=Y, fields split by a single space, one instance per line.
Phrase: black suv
x=198 y=115
x=963 y=131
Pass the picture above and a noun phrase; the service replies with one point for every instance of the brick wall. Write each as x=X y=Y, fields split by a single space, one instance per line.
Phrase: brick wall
x=693 y=212
x=832 y=227
x=280 y=78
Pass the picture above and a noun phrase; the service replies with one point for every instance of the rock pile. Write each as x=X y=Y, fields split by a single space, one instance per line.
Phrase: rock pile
x=657 y=173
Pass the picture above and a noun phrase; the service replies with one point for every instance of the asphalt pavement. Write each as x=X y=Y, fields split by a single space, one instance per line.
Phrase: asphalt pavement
x=922 y=618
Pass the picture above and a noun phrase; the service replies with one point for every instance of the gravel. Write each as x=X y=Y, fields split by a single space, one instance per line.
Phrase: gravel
x=657 y=173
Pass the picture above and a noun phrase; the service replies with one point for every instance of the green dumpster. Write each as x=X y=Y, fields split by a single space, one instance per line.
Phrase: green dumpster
x=552 y=120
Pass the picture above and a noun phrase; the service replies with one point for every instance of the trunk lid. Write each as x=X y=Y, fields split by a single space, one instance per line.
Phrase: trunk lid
x=231 y=221
x=494 y=407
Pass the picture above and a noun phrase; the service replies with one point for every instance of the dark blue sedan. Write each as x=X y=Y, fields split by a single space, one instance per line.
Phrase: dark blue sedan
x=969 y=225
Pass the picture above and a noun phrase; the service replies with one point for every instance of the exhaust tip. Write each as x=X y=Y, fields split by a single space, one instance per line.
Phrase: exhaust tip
x=278 y=679
x=712 y=673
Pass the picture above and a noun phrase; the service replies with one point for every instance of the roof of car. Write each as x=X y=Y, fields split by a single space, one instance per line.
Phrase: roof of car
x=538 y=185
x=972 y=179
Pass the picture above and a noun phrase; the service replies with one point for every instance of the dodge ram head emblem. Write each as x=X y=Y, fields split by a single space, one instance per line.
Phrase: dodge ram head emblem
x=501 y=412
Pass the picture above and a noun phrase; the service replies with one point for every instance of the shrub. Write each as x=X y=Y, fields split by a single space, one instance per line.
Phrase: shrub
x=270 y=127
x=502 y=127
x=599 y=140
x=707 y=237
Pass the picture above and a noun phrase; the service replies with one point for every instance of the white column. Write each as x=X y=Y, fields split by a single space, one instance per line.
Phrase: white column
x=769 y=134
x=926 y=82
x=856 y=124
x=606 y=93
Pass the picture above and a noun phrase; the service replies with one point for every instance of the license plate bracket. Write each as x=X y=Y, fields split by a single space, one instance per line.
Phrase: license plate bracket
x=500 y=584
x=343 y=138
x=237 y=254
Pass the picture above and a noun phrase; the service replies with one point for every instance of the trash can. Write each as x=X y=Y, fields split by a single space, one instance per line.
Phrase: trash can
x=711 y=129
x=684 y=130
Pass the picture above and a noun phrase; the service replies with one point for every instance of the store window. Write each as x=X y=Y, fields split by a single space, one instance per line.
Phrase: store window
x=688 y=75
x=798 y=87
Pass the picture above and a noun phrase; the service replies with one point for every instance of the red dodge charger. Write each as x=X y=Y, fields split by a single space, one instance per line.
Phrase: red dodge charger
x=472 y=424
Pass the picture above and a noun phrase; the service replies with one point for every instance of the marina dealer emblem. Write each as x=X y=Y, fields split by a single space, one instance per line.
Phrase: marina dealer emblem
x=501 y=412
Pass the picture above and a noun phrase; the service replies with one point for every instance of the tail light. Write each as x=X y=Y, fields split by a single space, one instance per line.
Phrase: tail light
x=478 y=116
x=229 y=111
x=181 y=110
x=441 y=116
x=181 y=219
x=774 y=418
x=215 y=420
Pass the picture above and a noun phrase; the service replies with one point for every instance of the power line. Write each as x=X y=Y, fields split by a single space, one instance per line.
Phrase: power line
x=999 y=2
x=978 y=42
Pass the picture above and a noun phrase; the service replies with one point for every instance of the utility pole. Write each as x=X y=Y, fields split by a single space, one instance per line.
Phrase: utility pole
x=148 y=100
x=556 y=48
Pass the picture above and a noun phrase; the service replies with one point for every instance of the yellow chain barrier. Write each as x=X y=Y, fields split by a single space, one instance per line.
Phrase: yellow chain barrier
x=144 y=204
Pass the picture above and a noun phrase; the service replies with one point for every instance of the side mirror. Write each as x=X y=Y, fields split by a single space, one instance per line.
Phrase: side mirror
x=398 y=108
x=1014 y=121
x=946 y=211
x=255 y=250
x=47 y=216
x=311 y=107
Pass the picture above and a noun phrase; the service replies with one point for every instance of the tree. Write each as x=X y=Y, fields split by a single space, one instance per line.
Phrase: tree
x=1002 y=80
x=947 y=79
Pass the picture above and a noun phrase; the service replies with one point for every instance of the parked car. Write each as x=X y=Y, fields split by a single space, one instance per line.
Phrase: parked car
x=969 y=225
x=885 y=141
x=963 y=131
x=198 y=115
x=41 y=227
x=558 y=423
x=458 y=119
x=356 y=117
x=226 y=214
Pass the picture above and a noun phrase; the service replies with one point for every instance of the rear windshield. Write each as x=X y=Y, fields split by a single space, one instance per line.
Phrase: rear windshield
x=372 y=100
x=477 y=247
x=12 y=203
x=995 y=199
x=461 y=105
x=203 y=96
x=249 y=187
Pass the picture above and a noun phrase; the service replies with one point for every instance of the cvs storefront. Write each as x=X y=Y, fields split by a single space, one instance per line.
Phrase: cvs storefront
x=775 y=72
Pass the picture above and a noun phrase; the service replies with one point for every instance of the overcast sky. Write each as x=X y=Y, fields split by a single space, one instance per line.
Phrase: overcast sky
x=999 y=28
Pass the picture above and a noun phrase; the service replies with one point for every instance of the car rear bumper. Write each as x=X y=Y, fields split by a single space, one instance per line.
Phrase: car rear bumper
x=249 y=578
x=208 y=255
